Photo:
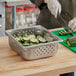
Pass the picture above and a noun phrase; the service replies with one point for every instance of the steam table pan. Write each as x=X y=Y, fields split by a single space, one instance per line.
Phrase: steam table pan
x=41 y=50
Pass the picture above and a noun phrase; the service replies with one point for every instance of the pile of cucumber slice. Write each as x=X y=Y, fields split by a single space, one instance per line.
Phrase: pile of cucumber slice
x=32 y=39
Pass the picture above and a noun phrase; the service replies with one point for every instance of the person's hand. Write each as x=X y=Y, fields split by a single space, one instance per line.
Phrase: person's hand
x=54 y=7
x=72 y=24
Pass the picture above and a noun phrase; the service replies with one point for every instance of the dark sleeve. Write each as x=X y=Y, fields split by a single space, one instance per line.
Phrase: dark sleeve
x=36 y=2
x=45 y=18
x=67 y=9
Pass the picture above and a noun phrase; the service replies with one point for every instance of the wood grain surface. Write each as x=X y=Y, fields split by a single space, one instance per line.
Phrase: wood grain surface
x=11 y=64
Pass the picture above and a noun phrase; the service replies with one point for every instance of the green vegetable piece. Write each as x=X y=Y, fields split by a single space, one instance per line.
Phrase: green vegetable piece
x=26 y=38
x=68 y=43
x=34 y=41
x=32 y=44
x=26 y=44
x=41 y=39
x=32 y=36
x=65 y=40
x=20 y=39
x=71 y=41
x=63 y=33
x=60 y=33
x=25 y=35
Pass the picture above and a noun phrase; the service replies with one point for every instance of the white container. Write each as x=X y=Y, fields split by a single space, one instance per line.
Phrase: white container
x=20 y=18
x=30 y=15
x=8 y=10
x=21 y=6
x=37 y=12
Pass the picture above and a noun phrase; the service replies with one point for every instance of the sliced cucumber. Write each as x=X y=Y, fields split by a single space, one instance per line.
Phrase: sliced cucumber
x=25 y=35
x=17 y=38
x=34 y=41
x=26 y=44
x=20 y=39
x=41 y=39
x=26 y=38
x=32 y=36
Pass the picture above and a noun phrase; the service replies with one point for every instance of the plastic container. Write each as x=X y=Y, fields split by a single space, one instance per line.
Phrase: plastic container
x=20 y=18
x=37 y=12
x=35 y=51
x=8 y=10
x=30 y=15
x=21 y=6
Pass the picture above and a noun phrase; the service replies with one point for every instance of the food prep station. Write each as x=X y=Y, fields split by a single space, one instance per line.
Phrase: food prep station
x=20 y=14
x=47 y=57
x=11 y=64
x=35 y=49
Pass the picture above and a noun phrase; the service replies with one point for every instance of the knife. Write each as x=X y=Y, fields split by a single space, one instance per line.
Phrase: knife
x=64 y=24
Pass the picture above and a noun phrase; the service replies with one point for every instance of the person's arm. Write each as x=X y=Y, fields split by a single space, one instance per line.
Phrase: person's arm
x=53 y=5
x=72 y=24
x=37 y=2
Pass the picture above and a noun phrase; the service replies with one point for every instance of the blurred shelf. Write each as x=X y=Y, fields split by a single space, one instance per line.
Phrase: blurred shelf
x=16 y=2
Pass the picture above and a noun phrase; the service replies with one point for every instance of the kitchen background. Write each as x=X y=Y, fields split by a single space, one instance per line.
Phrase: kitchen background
x=32 y=12
x=27 y=15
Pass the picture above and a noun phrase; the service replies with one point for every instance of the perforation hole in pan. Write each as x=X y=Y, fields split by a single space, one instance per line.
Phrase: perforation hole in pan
x=42 y=51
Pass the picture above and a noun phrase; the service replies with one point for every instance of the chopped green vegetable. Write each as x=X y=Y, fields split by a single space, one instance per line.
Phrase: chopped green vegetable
x=68 y=43
x=33 y=39
x=26 y=44
x=25 y=35
x=63 y=33
x=32 y=36
x=26 y=38
x=71 y=41
x=20 y=39
x=41 y=39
